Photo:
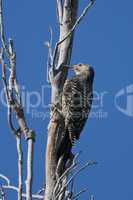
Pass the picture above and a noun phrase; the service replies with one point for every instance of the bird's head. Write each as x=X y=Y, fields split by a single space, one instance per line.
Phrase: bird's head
x=83 y=69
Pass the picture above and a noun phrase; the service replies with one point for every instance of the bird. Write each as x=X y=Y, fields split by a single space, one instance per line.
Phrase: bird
x=77 y=98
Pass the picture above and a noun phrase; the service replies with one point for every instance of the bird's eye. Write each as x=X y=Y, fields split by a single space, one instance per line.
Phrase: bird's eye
x=80 y=64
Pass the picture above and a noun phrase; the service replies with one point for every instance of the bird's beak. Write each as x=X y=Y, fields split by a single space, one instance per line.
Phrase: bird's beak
x=69 y=67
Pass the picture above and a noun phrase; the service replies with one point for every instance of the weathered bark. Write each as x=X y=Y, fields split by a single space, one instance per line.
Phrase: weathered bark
x=55 y=128
x=55 y=131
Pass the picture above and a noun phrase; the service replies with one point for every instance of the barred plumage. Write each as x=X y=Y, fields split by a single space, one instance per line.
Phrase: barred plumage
x=77 y=99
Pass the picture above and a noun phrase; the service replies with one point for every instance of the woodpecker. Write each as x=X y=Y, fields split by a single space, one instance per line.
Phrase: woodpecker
x=77 y=100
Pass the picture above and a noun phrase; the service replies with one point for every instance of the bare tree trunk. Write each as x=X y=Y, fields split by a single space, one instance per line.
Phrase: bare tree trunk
x=58 y=152
x=67 y=17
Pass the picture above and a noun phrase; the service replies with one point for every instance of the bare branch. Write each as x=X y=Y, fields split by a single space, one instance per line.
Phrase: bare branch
x=20 y=167
x=11 y=187
x=50 y=54
x=59 y=11
x=8 y=186
x=65 y=174
x=60 y=180
x=73 y=165
x=87 y=8
x=2 y=33
x=5 y=179
x=7 y=93
x=90 y=163
x=29 y=169
x=77 y=21
x=15 y=106
x=79 y=194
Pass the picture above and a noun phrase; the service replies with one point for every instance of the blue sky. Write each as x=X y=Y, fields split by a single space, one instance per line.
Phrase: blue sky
x=103 y=39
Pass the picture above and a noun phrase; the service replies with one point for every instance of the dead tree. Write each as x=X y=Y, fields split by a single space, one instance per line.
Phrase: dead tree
x=58 y=152
x=14 y=105
x=60 y=161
